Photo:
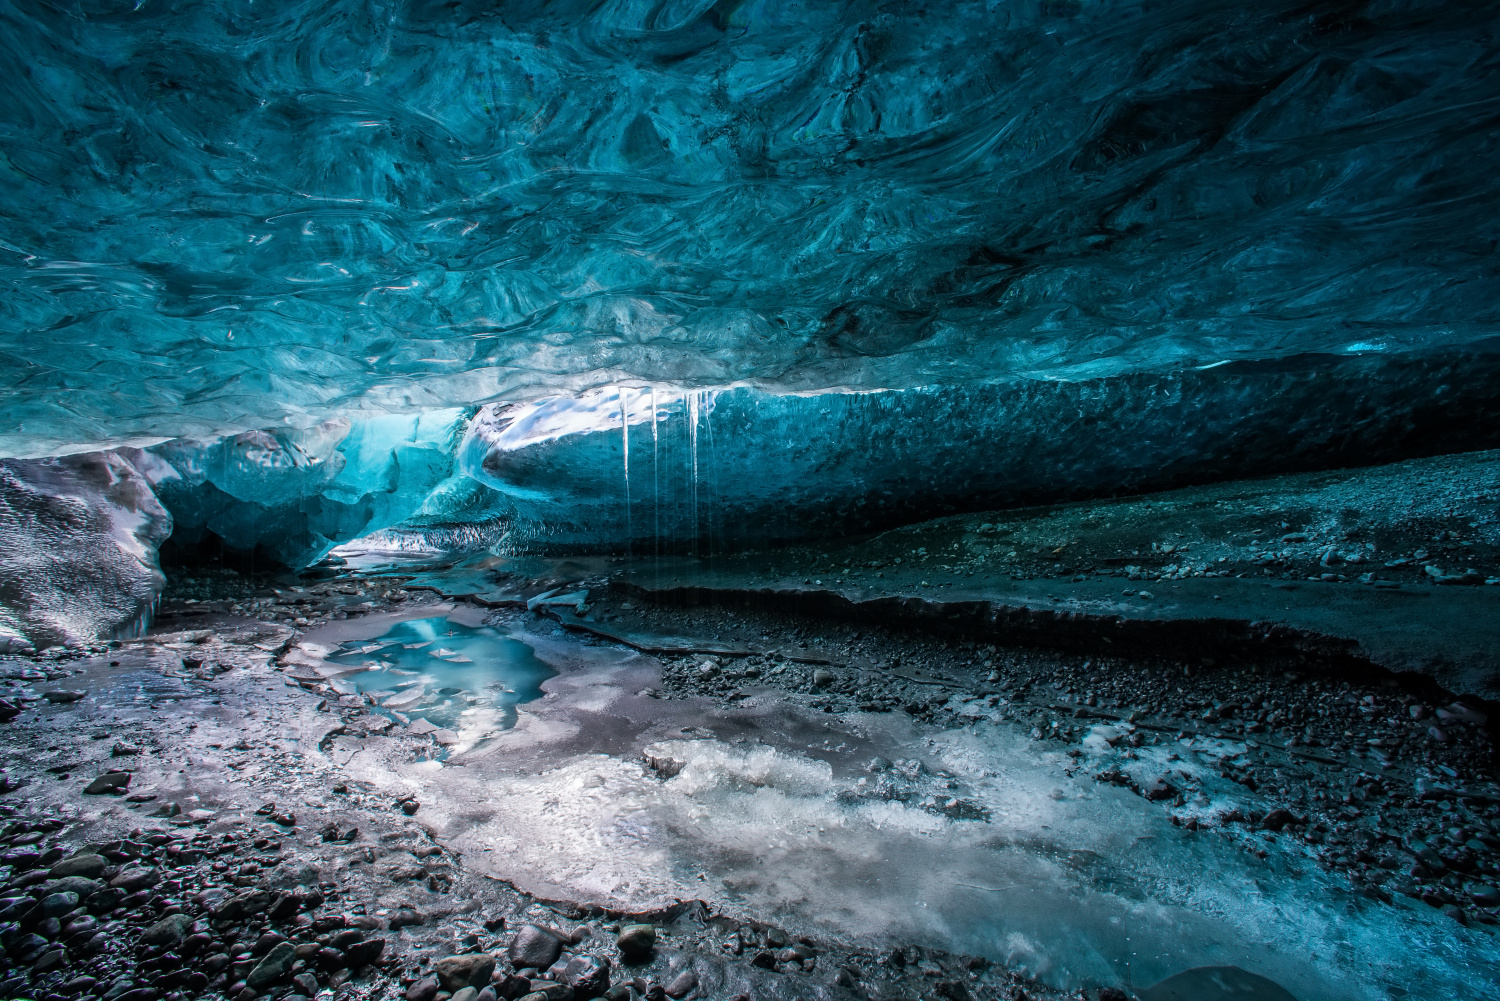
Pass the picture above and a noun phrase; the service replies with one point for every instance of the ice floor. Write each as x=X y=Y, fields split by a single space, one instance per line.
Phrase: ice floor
x=447 y=673
x=878 y=828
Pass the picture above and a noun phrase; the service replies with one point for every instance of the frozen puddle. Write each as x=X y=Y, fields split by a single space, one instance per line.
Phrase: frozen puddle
x=872 y=827
x=454 y=676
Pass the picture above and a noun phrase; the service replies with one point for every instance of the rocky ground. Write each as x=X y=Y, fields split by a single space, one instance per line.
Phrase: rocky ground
x=173 y=829
x=113 y=890
x=1369 y=779
x=1382 y=779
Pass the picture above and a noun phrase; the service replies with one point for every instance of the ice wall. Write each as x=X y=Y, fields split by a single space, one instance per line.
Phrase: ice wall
x=717 y=471
x=295 y=495
x=659 y=470
x=223 y=217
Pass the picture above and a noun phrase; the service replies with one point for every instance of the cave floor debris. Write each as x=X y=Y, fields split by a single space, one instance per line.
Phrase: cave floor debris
x=968 y=757
x=1066 y=819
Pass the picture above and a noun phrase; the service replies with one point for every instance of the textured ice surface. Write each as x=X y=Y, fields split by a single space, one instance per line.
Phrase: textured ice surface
x=295 y=494
x=727 y=469
x=706 y=471
x=222 y=217
x=78 y=538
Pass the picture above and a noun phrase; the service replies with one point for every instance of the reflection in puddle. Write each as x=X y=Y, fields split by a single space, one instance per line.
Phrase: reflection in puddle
x=443 y=672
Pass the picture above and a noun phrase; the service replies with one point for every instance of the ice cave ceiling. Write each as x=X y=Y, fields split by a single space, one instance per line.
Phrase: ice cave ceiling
x=219 y=217
x=595 y=276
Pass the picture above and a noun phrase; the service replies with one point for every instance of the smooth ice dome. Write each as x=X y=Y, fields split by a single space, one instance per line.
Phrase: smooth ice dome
x=223 y=219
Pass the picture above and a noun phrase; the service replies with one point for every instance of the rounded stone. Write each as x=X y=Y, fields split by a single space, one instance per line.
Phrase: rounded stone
x=636 y=942
x=470 y=970
x=533 y=947
x=55 y=905
x=87 y=866
x=168 y=931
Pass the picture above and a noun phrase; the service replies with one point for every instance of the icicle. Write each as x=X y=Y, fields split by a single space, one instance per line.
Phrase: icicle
x=713 y=480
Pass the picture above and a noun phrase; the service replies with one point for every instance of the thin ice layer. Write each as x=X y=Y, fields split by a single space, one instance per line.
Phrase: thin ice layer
x=976 y=840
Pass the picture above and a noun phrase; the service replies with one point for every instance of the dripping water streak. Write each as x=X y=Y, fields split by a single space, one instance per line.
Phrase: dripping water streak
x=655 y=478
x=625 y=447
x=713 y=481
x=692 y=401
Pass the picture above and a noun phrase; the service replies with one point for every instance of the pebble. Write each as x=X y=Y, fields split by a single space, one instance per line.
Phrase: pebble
x=587 y=975
x=534 y=947
x=682 y=985
x=109 y=782
x=135 y=878
x=168 y=931
x=406 y=917
x=636 y=942
x=1485 y=896
x=276 y=964
x=55 y=905
x=89 y=866
x=470 y=970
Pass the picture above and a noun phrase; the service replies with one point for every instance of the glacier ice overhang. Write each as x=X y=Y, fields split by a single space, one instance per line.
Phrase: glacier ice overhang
x=218 y=218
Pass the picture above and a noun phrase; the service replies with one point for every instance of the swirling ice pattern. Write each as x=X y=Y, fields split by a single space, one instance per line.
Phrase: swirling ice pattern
x=218 y=216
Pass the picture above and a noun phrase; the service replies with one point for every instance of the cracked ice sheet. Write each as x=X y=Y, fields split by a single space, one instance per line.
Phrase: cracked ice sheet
x=1073 y=880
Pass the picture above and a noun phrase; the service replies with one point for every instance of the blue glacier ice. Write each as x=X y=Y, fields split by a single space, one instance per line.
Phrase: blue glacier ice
x=296 y=494
x=323 y=270
x=222 y=218
x=632 y=468
x=696 y=276
x=726 y=470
